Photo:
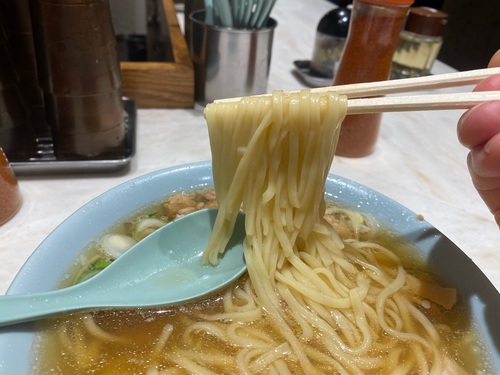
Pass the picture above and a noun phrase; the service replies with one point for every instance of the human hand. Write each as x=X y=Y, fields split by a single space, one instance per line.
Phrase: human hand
x=479 y=130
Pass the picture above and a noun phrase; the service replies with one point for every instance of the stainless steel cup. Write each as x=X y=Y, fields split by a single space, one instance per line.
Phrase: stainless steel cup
x=229 y=62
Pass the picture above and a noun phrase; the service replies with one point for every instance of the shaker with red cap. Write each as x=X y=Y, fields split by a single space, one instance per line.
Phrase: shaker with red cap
x=371 y=41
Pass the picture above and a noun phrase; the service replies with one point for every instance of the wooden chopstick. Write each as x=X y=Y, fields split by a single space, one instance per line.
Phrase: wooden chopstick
x=396 y=86
x=420 y=102
x=410 y=103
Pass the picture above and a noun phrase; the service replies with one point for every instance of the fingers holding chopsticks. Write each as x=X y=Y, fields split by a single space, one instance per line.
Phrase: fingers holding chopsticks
x=489 y=84
x=479 y=124
x=479 y=130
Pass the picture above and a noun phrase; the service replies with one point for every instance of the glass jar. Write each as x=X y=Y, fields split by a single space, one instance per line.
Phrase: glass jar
x=373 y=36
x=330 y=38
x=419 y=43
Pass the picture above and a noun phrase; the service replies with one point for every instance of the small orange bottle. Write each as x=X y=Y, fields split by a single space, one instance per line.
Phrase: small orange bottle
x=10 y=195
x=367 y=57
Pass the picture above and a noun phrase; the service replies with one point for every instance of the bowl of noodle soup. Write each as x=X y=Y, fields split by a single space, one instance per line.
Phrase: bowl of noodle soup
x=480 y=300
x=340 y=279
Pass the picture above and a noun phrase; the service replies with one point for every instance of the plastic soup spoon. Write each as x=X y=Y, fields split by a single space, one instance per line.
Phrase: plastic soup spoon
x=162 y=269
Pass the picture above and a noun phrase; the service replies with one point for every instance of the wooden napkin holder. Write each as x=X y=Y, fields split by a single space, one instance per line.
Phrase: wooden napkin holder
x=168 y=84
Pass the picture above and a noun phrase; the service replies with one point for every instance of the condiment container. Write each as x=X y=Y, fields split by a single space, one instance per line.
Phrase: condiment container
x=18 y=23
x=17 y=137
x=10 y=194
x=329 y=42
x=371 y=41
x=79 y=73
x=419 y=43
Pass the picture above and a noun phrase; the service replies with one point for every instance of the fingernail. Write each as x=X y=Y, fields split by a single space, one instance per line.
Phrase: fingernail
x=464 y=117
x=461 y=121
x=489 y=145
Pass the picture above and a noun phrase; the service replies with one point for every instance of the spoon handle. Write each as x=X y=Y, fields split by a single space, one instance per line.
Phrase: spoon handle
x=27 y=307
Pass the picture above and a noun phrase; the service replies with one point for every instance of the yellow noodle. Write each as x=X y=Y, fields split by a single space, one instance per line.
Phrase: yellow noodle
x=270 y=356
x=281 y=367
x=162 y=340
x=211 y=328
x=243 y=359
x=99 y=333
x=352 y=291
x=249 y=337
x=190 y=365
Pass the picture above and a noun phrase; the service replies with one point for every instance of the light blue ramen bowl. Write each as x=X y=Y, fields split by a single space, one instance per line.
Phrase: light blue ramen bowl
x=59 y=250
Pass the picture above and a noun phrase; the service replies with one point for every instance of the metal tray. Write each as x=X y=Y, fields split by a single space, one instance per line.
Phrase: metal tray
x=303 y=70
x=45 y=162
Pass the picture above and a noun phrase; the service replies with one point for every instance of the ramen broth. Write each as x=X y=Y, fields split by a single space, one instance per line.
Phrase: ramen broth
x=163 y=340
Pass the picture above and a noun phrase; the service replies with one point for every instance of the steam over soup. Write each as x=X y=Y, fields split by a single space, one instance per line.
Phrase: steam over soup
x=327 y=290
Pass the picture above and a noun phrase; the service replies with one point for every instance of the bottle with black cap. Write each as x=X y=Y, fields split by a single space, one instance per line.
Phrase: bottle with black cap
x=330 y=38
x=419 y=43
